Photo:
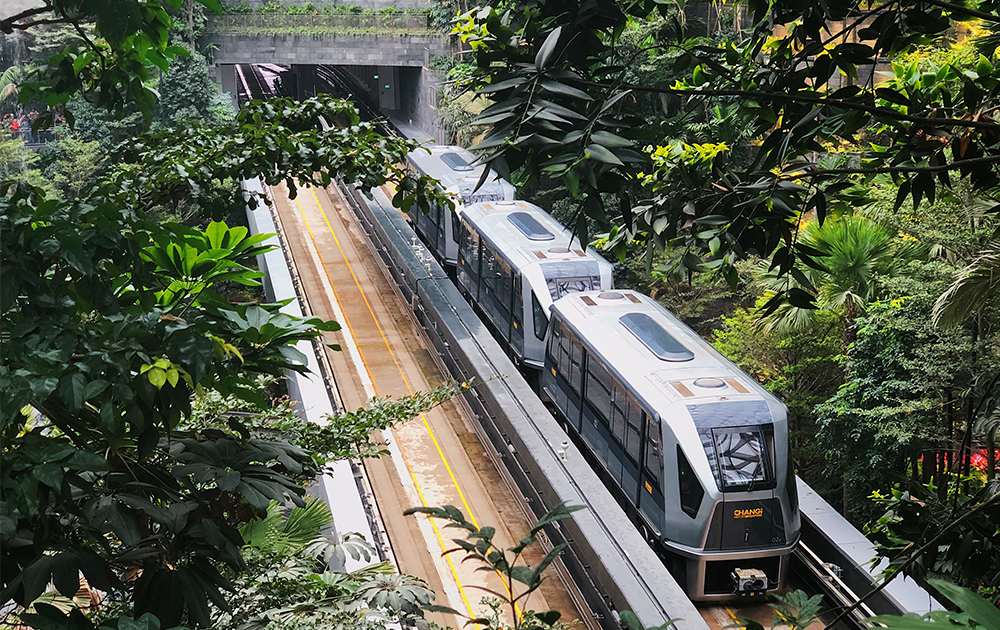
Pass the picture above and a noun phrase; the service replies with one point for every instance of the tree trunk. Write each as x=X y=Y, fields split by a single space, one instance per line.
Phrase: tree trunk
x=190 y=28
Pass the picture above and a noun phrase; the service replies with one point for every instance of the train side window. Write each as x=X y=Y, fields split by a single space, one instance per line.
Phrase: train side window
x=503 y=285
x=489 y=268
x=552 y=348
x=456 y=226
x=633 y=432
x=576 y=366
x=540 y=321
x=691 y=490
x=654 y=455
x=517 y=301
x=564 y=352
x=620 y=406
x=463 y=240
x=599 y=388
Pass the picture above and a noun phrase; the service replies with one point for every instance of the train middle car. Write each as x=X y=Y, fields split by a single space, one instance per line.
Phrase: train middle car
x=458 y=173
x=695 y=450
x=514 y=260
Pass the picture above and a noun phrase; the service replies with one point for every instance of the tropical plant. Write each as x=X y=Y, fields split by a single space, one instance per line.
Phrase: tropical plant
x=564 y=107
x=479 y=547
x=902 y=398
x=974 y=289
x=305 y=530
x=9 y=81
x=110 y=324
x=852 y=254
x=794 y=610
x=955 y=533
x=973 y=612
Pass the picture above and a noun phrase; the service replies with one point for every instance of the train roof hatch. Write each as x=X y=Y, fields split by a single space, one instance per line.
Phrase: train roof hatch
x=655 y=337
x=456 y=162
x=530 y=226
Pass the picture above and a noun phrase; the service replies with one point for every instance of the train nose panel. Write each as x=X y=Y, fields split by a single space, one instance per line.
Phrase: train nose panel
x=746 y=525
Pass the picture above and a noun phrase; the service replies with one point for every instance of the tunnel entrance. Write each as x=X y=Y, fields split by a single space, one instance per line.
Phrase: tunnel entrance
x=404 y=96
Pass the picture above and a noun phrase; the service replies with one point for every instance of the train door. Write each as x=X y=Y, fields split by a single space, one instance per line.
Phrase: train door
x=597 y=414
x=517 y=317
x=566 y=375
x=651 y=502
x=489 y=270
x=632 y=442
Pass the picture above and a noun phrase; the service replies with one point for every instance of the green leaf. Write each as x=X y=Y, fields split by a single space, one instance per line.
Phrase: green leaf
x=50 y=474
x=157 y=377
x=71 y=389
x=608 y=139
x=979 y=609
x=604 y=155
x=547 y=49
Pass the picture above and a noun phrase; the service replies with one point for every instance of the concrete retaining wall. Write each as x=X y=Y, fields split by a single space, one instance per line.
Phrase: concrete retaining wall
x=342 y=50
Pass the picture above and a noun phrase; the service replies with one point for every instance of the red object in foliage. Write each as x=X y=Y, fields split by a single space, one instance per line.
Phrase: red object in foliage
x=14 y=125
x=979 y=461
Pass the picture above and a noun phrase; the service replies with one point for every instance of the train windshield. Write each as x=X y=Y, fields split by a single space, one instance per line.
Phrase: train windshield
x=565 y=278
x=741 y=459
x=738 y=438
x=490 y=191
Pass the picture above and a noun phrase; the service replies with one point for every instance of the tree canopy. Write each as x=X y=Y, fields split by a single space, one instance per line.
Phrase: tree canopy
x=803 y=76
x=112 y=322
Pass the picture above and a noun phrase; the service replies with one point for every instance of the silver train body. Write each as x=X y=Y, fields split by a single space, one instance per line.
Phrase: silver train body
x=695 y=451
x=455 y=168
x=514 y=260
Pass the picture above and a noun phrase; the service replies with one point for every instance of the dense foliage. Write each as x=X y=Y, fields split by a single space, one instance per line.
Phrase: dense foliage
x=113 y=320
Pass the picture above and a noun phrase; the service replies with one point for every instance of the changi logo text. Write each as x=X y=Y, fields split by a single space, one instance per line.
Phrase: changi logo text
x=753 y=513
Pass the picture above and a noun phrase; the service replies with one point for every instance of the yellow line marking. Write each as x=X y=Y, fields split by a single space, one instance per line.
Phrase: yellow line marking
x=406 y=382
x=336 y=295
x=416 y=484
x=395 y=360
x=731 y=614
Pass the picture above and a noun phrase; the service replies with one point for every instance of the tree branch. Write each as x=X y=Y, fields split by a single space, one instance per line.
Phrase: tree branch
x=832 y=102
x=8 y=25
x=951 y=166
x=954 y=8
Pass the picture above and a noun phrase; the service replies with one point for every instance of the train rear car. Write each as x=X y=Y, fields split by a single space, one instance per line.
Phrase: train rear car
x=514 y=261
x=455 y=168
x=695 y=450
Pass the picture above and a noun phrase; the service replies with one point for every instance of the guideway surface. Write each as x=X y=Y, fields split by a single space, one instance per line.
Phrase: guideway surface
x=435 y=459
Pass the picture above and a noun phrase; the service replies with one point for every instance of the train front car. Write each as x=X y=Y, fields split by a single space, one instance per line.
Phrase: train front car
x=514 y=260
x=458 y=173
x=695 y=450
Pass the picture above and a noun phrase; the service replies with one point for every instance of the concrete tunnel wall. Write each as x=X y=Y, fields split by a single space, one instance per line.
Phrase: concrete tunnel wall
x=412 y=51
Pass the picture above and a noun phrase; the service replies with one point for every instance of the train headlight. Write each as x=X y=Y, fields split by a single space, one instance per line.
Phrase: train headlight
x=749 y=582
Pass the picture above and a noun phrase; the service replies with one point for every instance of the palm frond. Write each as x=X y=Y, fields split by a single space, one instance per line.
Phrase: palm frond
x=9 y=82
x=987 y=44
x=256 y=532
x=304 y=524
x=289 y=534
x=975 y=288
